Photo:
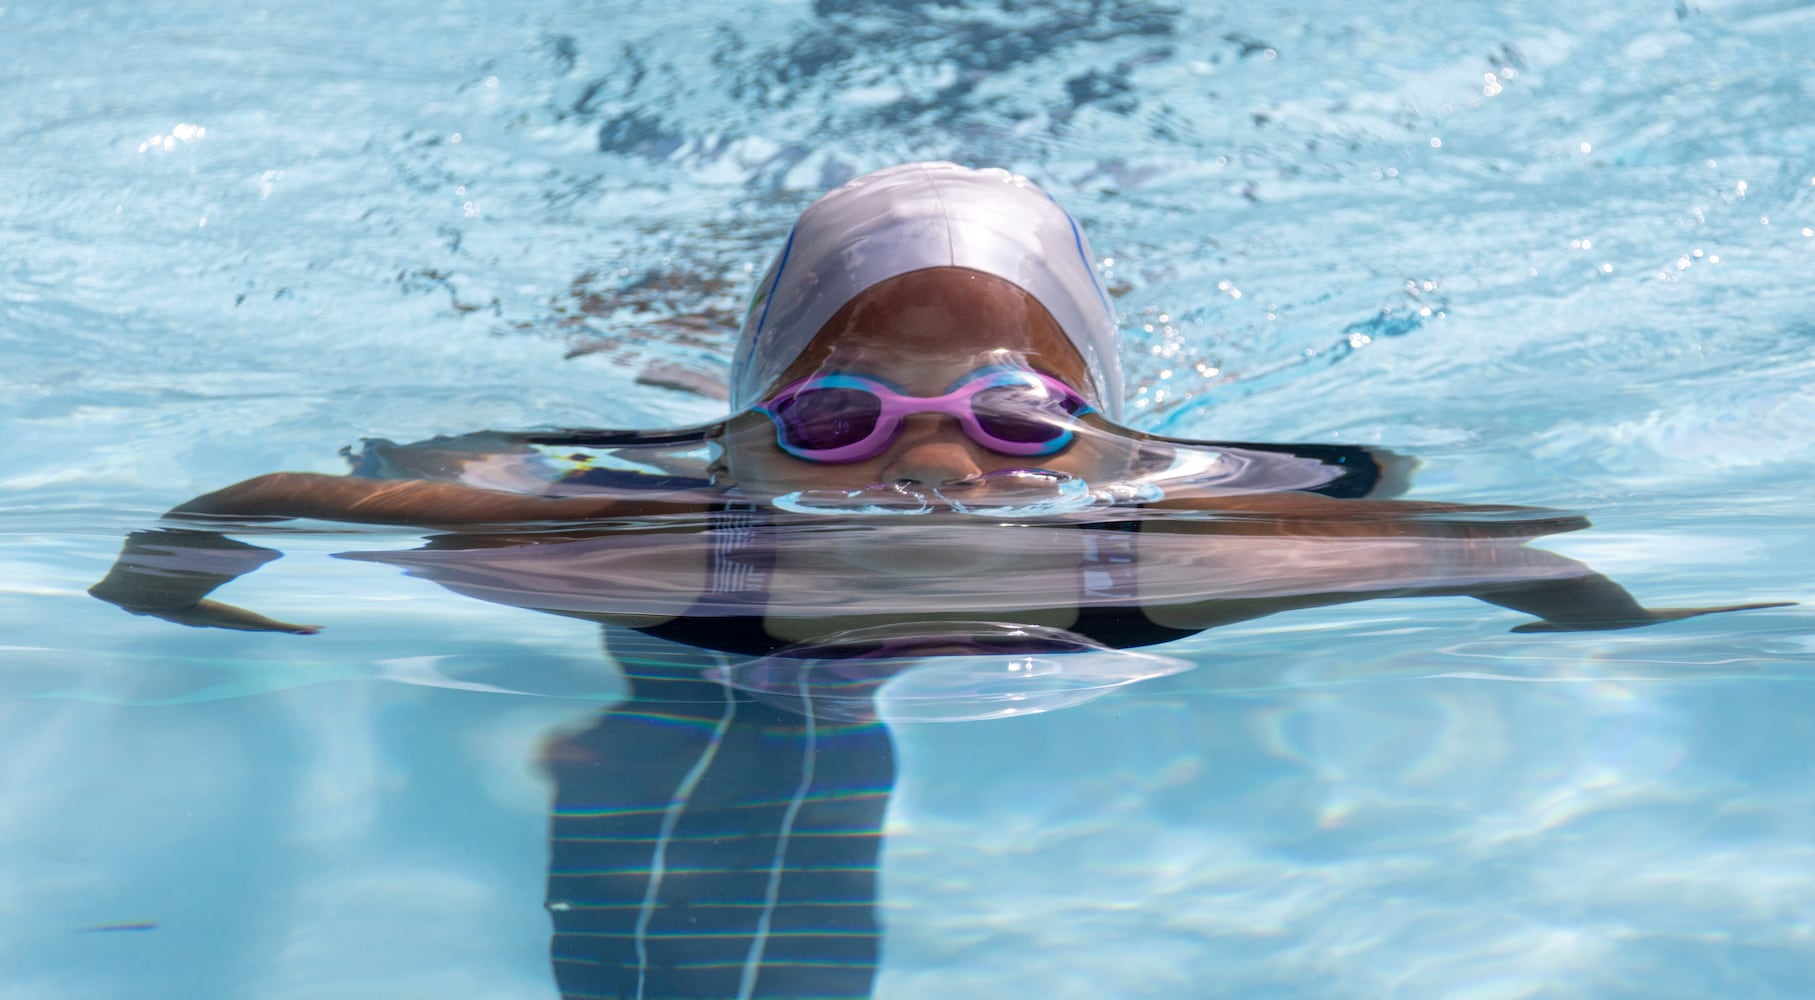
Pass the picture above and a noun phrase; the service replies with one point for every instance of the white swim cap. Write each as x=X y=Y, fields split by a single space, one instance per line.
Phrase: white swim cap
x=921 y=215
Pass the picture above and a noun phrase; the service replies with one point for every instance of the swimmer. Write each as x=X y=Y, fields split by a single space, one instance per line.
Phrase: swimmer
x=932 y=336
x=924 y=458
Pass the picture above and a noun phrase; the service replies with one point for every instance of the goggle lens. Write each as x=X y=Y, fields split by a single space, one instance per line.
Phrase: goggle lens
x=1025 y=414
x=823 y=419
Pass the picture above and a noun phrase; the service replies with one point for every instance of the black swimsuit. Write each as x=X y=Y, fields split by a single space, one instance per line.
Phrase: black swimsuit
x=739 y=574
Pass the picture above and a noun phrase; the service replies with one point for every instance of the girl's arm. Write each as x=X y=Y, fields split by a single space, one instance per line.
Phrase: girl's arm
x=169 y=573
x=1486 y=542
x=1590 y=603
x=406 y=501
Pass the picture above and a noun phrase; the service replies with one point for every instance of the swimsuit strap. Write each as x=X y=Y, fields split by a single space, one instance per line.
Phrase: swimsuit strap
x=1108 y=605
x=739 y=569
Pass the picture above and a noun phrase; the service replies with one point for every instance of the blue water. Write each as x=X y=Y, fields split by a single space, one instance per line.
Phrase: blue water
x=1561 y=255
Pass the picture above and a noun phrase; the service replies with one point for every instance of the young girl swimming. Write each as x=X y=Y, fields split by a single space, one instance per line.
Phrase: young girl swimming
x=924 y=460
x=934 y=338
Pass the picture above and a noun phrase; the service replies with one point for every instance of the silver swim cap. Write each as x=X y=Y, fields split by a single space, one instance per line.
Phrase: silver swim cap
x=921 y=215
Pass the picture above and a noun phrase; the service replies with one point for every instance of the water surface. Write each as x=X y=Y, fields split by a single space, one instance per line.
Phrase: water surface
x=1561 y=257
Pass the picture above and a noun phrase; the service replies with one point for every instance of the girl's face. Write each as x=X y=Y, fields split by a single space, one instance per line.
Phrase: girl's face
x=921 y=333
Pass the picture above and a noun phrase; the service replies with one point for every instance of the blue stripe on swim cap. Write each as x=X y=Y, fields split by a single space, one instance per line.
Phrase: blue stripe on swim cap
x=748 y=356
x=780 y=266
x=1077 y=238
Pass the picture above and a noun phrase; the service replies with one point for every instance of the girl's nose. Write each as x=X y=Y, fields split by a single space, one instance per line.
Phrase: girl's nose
x=933 y=450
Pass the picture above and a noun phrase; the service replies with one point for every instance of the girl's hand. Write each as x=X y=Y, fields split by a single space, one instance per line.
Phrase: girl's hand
x=1655 y=615
x=214 y=614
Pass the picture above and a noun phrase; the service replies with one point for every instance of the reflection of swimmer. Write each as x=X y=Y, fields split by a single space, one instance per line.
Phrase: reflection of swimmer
x=931 y=341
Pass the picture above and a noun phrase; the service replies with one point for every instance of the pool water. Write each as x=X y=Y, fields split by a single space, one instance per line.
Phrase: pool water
x=1561 y=256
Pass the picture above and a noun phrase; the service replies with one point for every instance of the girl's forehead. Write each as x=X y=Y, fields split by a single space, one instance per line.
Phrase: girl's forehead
x=927 y=365
x=932 y=324
x=923 y=375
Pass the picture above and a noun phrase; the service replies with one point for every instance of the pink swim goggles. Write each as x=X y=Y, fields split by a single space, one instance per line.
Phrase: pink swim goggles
x=849 y=418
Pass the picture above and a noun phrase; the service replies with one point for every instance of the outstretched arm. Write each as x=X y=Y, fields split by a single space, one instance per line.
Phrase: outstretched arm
x=1308 y=515
x=170 y=573
x=1407 y=548
x=1590 y=603
x=408 y=501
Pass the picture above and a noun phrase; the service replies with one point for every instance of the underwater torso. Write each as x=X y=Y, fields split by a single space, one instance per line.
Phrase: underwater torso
x=737 y=611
